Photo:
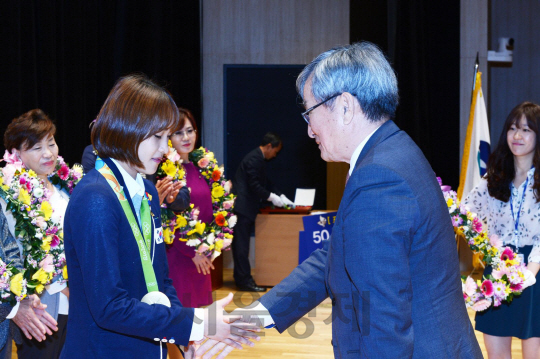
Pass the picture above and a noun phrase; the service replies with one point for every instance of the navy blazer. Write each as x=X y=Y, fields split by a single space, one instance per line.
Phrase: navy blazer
x=106 y=280
x=391 y=265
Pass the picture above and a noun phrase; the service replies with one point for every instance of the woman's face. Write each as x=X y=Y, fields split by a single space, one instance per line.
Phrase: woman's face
x=151 y=151
x=521 y=140
x=183 y=141
x=40 y=158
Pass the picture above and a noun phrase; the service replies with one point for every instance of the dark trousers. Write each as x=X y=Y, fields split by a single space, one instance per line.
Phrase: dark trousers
x=240 y=250
x=5 y=352
x=48 y=349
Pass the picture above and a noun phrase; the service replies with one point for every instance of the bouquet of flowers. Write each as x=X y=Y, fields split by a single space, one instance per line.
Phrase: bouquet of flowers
x=65 y=177
x=171 y=165
x=221 y=233
x=507 y=277
x=41 y=234
x=12 y=284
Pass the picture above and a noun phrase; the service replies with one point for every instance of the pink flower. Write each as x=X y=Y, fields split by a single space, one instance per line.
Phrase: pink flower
x=514 y=278
x=470 y=286
x=40 y=221
x=446 y=188
x=195 y=213
x=481 y=305
x=439 y=180
x=516 y=287
x=63 y=172
x=203 y=162
x=11 y=157
x=499 y=290
x=487 y=288
x=8 y=172
x=55 y=241
x=477 y=225
x=507 y=254
x=495 y=241
x=228 y=204
x=457 y=221
x=496 y=302
x=202 y=248
x=47 y=263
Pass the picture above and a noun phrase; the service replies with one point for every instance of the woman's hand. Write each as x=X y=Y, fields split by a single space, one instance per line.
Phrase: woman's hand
x=202 y=263
x=164 y=187
x=176 y=187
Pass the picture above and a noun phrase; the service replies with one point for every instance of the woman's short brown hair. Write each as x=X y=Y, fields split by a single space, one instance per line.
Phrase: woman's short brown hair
x=135 y=109
x=28 y=129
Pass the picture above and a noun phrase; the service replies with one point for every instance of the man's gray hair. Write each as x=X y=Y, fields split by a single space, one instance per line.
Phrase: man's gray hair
x=360 y=69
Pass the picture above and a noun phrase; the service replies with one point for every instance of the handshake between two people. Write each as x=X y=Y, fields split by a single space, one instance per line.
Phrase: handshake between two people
x=224 y=332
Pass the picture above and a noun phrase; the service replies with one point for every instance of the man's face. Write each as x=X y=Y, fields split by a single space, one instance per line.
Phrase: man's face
x=272 y=151
x=323 y=127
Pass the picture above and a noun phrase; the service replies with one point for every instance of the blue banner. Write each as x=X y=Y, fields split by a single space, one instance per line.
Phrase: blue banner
x=317 y=229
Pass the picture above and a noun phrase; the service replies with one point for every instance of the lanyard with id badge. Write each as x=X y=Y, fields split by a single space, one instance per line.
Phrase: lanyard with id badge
x=108 y=170
x=516 y=219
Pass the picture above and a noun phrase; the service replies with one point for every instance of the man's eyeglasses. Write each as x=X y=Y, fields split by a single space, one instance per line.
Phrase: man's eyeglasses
x=305 y=114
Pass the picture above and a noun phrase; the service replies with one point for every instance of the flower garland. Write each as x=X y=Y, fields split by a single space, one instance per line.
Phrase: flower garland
x=28 y=199
x=12 y=284
x=210 y=239
x=507 y=277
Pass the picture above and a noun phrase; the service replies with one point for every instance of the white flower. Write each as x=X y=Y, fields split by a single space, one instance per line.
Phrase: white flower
x=227 y=186
x=232 y=221
x=192 y=223
x=39 y=235
x=38 y=192
x=210 y=239
x=193 y=242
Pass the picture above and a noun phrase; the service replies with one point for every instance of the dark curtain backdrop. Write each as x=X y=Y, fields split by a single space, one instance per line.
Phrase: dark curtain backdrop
x=421 y=39
x=64 y=57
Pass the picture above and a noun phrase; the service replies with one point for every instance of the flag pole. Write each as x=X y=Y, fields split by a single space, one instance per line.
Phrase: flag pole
x=476 y=66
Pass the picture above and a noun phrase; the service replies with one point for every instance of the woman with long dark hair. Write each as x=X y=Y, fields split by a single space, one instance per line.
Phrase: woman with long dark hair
x=508 y=201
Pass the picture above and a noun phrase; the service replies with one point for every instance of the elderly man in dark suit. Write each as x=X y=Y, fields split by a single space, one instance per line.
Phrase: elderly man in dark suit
x=251 y=187
x=391 y=266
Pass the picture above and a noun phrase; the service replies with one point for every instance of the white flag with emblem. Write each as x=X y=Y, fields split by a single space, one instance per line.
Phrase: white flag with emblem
x=477 y=143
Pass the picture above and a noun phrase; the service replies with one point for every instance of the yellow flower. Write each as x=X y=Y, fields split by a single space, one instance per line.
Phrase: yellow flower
x=181 y=173
x=180 y=222
x=46 y=245
x=39 y=288
x=42 y=276
x=218 y=192
x=15 y=286
x=228 y=235
x=169 y=143
x=46 y=209
x=24 y=197
x=199 y=228
x=169 y=168
x=31 y=173
x=64 y=272
x=218 y=245
x=167 y=236
x=450 y=202
x=5 y=187
x=1 y=180
x=182 y=239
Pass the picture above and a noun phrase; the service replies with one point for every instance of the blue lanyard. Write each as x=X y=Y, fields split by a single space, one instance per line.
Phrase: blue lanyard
x=516 y=220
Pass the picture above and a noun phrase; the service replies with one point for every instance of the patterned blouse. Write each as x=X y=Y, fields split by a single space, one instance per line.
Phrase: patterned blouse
x=499 y=217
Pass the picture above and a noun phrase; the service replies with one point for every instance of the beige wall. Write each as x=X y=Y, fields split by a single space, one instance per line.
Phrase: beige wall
x=261 y=32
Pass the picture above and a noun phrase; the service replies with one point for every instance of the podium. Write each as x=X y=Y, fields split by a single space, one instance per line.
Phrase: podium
x=276 y=246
